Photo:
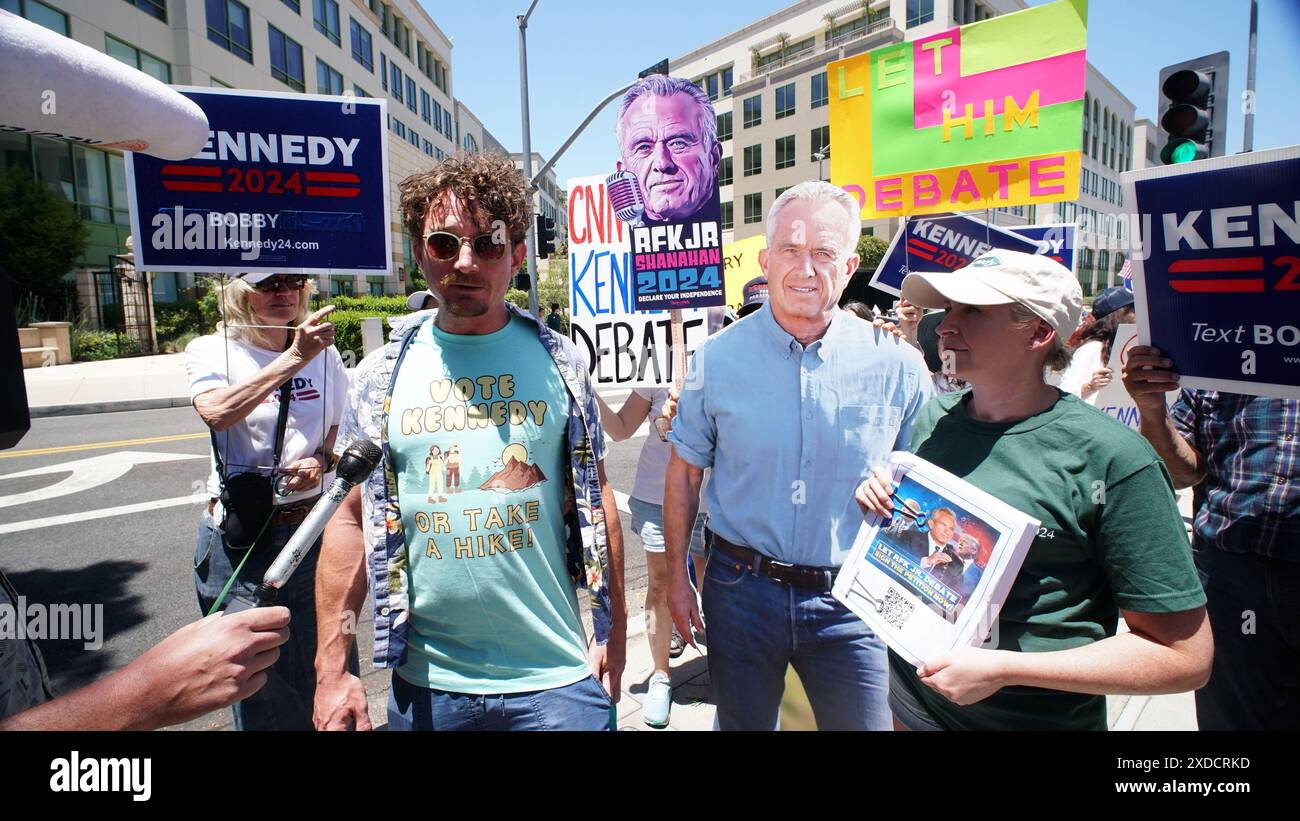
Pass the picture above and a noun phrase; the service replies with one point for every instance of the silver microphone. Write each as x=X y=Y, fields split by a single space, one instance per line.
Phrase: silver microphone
x=625 y=196
x=356 y=463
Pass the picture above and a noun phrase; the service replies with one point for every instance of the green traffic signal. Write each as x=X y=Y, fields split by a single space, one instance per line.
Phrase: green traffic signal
x=1183 y=152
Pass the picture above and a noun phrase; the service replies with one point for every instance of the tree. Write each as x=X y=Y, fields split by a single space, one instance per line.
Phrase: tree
x=41 y=236
x=870 y=251
x=415 y=280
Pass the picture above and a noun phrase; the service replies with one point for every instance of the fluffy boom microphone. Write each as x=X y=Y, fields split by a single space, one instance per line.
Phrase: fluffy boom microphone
x=356 y=463
x=52 y=86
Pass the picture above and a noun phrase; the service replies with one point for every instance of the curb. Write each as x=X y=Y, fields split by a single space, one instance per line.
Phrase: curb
x=42 y=411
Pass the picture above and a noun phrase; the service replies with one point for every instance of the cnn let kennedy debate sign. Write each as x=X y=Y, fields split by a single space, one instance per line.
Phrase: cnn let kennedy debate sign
x=287 y=183
x=1217 y=281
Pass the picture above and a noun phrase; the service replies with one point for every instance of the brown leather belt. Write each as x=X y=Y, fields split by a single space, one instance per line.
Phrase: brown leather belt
x=795 y=575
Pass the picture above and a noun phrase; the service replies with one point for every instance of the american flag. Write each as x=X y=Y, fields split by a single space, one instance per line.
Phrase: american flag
x=1126 y=274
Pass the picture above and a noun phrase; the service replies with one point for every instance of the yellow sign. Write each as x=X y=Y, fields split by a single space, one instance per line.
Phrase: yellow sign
x=740 y=260
x=980 y=116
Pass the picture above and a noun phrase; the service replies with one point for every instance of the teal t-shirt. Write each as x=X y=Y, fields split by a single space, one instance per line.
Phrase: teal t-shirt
x=1111 y=538
x=477 y=431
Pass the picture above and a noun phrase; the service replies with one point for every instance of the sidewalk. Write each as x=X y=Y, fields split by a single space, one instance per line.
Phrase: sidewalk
x=134 y=383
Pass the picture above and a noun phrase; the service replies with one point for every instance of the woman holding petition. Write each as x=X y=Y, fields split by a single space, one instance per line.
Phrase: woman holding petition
x=1112 y=541
x=1087 y=373
x=271 y=388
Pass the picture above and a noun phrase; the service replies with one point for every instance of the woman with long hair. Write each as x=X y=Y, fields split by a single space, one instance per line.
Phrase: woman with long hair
x=271 y=388
x=1087 y=372
x=1111 y=541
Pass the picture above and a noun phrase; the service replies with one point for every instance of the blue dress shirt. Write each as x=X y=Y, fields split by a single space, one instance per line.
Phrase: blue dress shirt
x=791 y=431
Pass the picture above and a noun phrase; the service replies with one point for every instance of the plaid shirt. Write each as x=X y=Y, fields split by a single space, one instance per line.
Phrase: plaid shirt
x=367 y=416
x=1250 y=497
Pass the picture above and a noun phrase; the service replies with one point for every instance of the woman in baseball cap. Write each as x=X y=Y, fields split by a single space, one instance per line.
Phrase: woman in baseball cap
x=1112 y=541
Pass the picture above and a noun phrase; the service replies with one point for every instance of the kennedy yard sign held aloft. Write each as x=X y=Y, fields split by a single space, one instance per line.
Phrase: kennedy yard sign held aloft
x=1217 y=280
x=981 y=116
x=942 y=242
x=622 y=346
x=288 y=183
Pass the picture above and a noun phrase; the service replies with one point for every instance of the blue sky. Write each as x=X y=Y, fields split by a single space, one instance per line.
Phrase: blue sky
x=580 y=50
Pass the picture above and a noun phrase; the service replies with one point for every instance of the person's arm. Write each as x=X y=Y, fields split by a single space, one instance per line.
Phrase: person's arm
x=340 y=595
x=1161 y=653
x=204 y=666
x=623 y=424
x=681 y=505
x=608 y=660
x=1148 y=375
x=222 y=408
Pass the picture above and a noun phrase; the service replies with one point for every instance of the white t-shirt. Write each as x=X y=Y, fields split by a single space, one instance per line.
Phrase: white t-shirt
x=1083 y=364
x=319 y=393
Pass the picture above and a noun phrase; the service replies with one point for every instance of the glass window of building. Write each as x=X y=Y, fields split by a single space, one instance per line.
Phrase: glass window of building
x=785 y=101
x=296 y=5
x=784 y=152
x=395 y=81
x=359 y=91
x=325 y=14
x=724 y=126
x=15 y=151
x=117 y=185
x=753 y=208
x=819 y=94
x=426 y=106
x=228 y=27
x=753 y=110
x=286 y=58
x=410 y=95
x=328 y=81
x=711 y=86
x=383 y=71
x=820 y=138
x=40 y=14
x=919 y=12
x=54 y=165
x=728 y=216
x=398 y=128
x=1096 y=125
x=726 y=171
x=446 y=123
x=154 y=8
x=92 y=184
x=753 y=160
x=1087 y=104
x=136 y=58
x=726 y=81
x=362 y=45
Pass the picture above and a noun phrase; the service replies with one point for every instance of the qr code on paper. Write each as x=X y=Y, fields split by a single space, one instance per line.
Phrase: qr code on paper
x=895 y=609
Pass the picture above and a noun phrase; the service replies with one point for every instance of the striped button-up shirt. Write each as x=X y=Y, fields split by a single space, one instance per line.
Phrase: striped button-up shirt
x=1250 y=497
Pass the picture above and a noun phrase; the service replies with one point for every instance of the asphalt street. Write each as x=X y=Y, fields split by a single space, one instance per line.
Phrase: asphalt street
x=103 y=510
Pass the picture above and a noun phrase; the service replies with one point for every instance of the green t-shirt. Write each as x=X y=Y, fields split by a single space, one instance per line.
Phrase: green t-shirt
x=1111 y=538
x=477 y=431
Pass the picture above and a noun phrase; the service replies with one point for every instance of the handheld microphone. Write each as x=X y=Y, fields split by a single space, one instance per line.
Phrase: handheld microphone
x=356 y=463
x=625 y=196
x=53 y=86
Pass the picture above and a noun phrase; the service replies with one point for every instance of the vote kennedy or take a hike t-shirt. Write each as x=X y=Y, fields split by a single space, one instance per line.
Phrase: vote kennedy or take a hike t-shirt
x=1111 y=538
x=492 y=607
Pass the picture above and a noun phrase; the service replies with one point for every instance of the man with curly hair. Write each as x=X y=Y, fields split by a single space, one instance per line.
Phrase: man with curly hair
x=474 y=599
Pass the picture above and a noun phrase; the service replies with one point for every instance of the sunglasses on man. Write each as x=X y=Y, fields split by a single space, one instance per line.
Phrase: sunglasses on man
x=445 y=246
x=281 y=283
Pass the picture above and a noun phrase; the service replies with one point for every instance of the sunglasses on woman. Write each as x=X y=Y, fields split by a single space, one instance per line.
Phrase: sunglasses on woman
x=445 y=246
x=286 y=283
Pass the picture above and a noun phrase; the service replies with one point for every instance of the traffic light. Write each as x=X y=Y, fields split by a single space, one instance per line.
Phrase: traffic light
x=1193 y=108
x=545 y=237
x=522 y=282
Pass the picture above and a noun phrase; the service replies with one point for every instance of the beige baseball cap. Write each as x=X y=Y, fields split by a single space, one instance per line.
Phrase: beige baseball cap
x=999 y=277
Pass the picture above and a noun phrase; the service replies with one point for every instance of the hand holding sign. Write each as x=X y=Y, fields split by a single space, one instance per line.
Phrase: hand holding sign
x=1147 y=376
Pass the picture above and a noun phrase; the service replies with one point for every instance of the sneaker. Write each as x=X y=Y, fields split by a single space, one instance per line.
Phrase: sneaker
x=676 y=645
x=658 y=701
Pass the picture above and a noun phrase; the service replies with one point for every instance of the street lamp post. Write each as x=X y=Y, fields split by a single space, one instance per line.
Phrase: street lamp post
x=821 y=154
x=528 y=153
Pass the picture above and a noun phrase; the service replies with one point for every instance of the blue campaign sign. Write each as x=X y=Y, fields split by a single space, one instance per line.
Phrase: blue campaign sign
x=1056 y=241
x=941 y=242
x=1217 y=281
x=290 y=183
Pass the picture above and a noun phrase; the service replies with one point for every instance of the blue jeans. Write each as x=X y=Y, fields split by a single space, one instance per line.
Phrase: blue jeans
x=583 y=705
x=757 y=627
x=1254 y=608
x=285 y=703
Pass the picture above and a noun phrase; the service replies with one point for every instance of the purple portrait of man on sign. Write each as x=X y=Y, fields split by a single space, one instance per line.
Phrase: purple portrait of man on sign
x=666 y=189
